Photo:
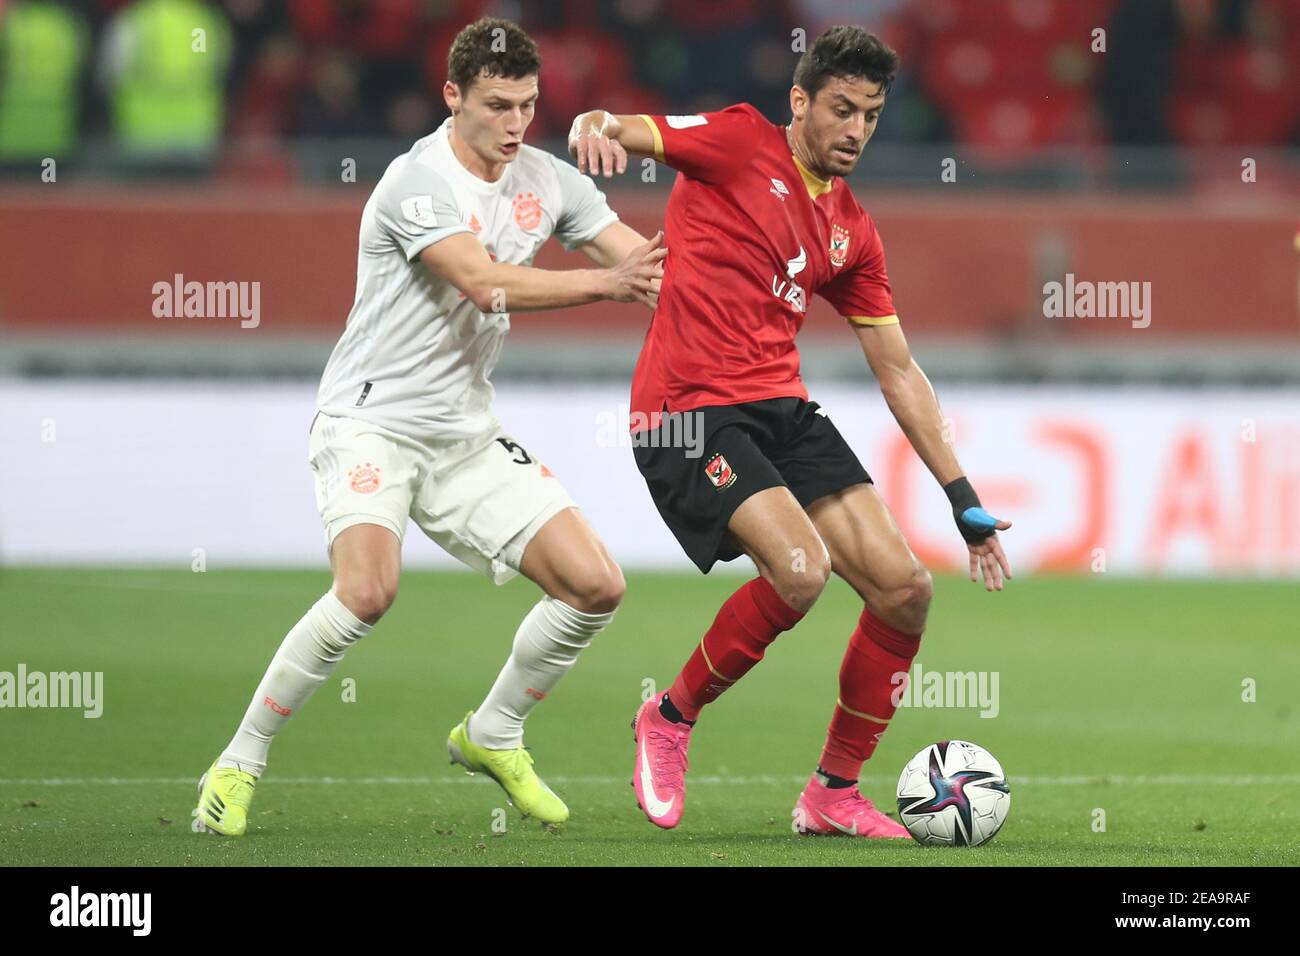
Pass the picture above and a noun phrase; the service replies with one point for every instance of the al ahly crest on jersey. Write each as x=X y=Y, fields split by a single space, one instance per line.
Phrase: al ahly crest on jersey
x=839 y=245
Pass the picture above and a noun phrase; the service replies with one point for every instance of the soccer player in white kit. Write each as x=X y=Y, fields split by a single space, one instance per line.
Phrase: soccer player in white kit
x=405 y=429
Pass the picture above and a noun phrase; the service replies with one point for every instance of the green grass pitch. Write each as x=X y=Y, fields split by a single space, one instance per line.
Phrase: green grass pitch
x=1119 y=697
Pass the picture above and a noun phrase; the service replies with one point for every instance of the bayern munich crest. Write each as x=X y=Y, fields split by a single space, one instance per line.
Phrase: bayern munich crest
x=364 y=479
x=528 y=211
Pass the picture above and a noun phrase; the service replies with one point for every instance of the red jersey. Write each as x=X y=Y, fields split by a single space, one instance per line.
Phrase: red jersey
x=751 y=234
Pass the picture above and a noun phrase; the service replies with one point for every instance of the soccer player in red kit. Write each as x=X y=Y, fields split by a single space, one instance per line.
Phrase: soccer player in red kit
x=758 y=220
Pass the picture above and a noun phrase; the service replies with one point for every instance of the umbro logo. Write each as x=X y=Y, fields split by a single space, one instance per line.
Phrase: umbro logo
x=779 y=189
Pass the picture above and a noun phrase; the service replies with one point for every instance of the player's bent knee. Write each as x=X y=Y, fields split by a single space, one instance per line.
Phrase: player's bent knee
x=592 y=587
x=908 y=602
x=803 y=582
x=368 y=600
x=600 y=593
x=612 y=590
x=919 y=590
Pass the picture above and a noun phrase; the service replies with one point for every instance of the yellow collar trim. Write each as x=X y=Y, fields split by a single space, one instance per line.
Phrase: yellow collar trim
x=815 y=186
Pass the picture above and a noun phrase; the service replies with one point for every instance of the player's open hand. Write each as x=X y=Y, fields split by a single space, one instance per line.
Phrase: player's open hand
x=592 y=148
x=636 y=278
x=988 y=560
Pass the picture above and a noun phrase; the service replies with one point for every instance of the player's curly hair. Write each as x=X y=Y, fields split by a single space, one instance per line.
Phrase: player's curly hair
x=496 y=46
x=845 y=52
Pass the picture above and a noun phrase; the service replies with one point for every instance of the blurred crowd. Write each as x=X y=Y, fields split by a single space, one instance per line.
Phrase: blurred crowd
x=182 y=77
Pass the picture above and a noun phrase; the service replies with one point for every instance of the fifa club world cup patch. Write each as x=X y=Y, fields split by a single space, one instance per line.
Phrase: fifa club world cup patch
x=364 y=479
x=719 y=472
x=528 y=211
x=419 y=209
x=839 y=245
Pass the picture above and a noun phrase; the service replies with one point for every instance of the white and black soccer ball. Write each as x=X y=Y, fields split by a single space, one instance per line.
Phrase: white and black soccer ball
x=953 y=793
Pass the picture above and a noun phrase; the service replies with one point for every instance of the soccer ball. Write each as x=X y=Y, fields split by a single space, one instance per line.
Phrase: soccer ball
x=953 y=793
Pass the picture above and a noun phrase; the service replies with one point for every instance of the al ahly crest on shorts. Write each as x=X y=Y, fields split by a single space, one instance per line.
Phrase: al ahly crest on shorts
x=719 y=472
x=839 y=245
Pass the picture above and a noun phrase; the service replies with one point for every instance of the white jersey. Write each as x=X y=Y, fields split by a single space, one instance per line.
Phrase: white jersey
x=416 y=354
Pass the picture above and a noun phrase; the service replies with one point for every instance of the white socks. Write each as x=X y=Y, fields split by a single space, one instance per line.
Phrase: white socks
x=303 y=662
x=546 y=645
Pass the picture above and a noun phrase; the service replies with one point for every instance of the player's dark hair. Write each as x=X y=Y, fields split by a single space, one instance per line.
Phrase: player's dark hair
x=497 y=47
x=845 y=52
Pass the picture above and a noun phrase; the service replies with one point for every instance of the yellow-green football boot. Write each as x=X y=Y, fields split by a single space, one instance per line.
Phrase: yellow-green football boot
x=512 y=769
x=224 y=796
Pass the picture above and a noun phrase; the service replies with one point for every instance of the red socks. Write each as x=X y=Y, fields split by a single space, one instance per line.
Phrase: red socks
x=877 y=652
x=751 y=619
x=746 y=624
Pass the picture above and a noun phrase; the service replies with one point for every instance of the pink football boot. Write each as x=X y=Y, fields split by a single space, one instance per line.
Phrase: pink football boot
x=659 y=778
x=843 y=812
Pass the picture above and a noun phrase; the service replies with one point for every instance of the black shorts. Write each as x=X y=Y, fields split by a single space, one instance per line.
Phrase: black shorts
x=700 y=465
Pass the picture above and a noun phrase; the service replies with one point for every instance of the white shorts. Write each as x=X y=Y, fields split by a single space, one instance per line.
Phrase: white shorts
x=480 y=499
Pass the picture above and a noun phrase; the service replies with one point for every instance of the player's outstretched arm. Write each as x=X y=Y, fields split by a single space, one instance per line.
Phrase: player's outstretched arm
x=914 y=405
x=599 y=141
x=613 y=245
x=498 y=287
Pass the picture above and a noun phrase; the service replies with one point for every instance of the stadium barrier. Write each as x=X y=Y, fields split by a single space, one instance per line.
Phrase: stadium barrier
x=973 y=266
x=1124 y=482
